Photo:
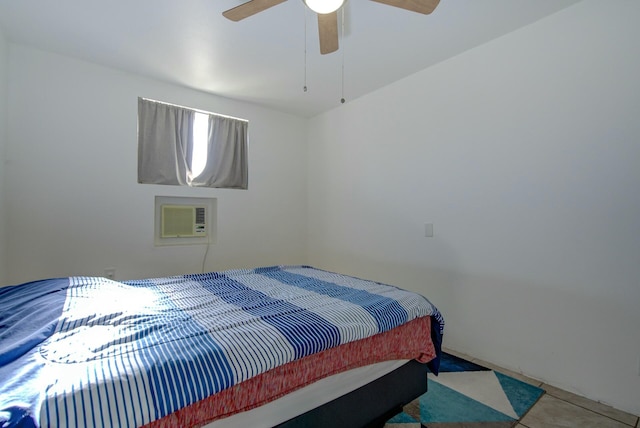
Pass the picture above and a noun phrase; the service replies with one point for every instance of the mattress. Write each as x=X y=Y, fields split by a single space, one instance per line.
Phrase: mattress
x=308 y=397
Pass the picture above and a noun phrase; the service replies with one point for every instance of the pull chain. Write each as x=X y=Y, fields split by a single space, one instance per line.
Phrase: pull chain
x=304 y=11
x=343 y=49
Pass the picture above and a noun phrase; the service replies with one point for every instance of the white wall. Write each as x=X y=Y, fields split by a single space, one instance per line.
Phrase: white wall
x=4 y=66
x=525 y=154
x=75 y=207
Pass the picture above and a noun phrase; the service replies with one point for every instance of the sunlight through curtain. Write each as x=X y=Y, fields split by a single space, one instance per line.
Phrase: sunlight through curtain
x=167 y=145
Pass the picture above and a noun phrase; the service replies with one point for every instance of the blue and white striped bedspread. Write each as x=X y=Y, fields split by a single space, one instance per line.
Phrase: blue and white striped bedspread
x=90 y=352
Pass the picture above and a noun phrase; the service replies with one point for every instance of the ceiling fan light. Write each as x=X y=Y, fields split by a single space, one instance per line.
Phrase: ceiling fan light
x=324 y=6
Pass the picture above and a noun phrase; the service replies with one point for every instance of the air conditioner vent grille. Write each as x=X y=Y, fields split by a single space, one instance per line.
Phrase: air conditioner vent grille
x=183 y=221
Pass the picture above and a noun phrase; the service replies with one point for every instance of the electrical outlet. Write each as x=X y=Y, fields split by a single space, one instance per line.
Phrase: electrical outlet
x=428 y=230
x=110 y=273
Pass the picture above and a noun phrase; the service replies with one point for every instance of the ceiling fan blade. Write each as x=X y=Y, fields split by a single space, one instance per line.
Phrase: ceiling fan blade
x=328 y=32
x=249 y=8
x=420 y=6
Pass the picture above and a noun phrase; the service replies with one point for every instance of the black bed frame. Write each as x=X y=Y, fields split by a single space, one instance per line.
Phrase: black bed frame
x=369 y=406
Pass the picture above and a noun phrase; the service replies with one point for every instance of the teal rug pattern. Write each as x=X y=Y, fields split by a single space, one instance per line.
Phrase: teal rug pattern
x=468 y=395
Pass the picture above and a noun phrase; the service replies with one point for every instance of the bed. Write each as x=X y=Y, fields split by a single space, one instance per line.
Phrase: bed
x=211 y=349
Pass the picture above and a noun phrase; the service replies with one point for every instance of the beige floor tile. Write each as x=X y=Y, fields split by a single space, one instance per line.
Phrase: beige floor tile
x=603 y=409
x=551 y=412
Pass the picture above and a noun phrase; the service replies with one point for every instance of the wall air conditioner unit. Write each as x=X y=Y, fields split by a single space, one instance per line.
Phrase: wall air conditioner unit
x=183 y=221
x=180 y=220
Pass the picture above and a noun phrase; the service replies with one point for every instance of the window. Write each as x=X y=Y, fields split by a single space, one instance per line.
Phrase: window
x=200 y=134
x=187 y=147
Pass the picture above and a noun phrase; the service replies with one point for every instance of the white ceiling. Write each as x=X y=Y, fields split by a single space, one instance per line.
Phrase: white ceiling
x=262 y=58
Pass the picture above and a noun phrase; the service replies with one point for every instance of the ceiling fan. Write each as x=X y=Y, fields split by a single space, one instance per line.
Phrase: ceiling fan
x=327 y=11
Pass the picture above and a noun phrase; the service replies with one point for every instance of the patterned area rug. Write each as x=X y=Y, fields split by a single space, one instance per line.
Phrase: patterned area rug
x=470 y=396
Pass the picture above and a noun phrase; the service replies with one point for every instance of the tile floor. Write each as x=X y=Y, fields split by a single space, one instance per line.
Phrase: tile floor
x=559 y=408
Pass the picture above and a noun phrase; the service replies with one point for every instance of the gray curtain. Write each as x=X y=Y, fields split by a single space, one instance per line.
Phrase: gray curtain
x=227 y=154
x=165 y=133
x=165 y=146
